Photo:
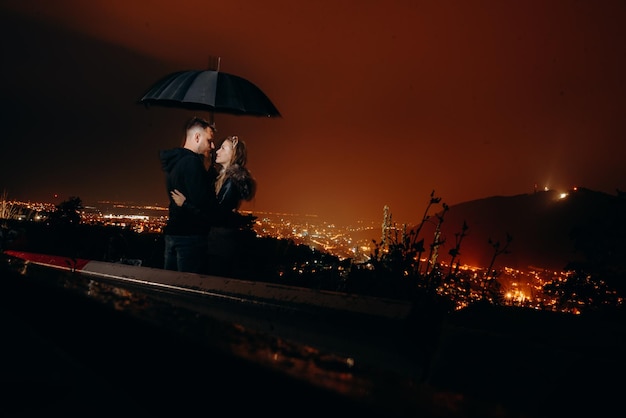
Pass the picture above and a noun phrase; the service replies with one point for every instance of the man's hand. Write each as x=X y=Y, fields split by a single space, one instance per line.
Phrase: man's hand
x=178 y=197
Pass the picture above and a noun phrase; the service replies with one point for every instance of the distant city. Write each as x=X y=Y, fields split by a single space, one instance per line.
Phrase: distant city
x=344 y=241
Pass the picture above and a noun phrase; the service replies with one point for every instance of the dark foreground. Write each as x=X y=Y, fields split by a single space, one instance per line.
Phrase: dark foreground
x=69 y=355
x=66 y=355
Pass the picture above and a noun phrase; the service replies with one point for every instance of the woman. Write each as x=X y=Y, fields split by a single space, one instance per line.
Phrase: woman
x=234 y=184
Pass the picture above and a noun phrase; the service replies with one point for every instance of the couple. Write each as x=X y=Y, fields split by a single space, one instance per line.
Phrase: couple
x=205 y=194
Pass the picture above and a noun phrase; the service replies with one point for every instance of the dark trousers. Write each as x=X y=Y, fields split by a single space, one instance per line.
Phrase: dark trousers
x=185 y=252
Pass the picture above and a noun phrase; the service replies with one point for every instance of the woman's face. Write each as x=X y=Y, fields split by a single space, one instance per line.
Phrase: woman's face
x=224 y=154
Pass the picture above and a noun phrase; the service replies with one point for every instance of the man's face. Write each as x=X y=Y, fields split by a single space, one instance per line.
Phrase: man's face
x=206 y=142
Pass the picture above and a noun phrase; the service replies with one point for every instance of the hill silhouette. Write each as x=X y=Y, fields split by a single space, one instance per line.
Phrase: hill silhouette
x=543 y=226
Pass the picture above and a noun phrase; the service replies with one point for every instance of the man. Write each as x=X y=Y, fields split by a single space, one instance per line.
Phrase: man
x=186 y=233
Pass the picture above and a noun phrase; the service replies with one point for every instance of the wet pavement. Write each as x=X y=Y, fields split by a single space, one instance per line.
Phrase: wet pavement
x=75 y=347
x=71 y=356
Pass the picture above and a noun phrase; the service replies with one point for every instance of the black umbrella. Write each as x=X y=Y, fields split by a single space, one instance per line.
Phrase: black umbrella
x=210 y=90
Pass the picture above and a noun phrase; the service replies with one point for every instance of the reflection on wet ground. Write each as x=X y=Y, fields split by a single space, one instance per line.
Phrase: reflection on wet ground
x=161 y=347
x=73 y=341
x=301 y=361
x=324 y=369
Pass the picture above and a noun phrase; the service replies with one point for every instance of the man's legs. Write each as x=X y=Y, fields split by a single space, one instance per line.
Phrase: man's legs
x=184 y=253
x=169 y=256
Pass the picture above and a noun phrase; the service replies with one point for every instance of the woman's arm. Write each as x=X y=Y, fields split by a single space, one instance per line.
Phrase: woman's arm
x=181 y=200
x=178 y=197
x=220 y=215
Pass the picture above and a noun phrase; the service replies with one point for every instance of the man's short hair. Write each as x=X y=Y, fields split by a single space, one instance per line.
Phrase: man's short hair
x=200 y=122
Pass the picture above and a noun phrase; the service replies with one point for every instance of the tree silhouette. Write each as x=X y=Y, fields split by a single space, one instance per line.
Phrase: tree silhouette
x=490 y=285
x=456 y=251
x=67 y=212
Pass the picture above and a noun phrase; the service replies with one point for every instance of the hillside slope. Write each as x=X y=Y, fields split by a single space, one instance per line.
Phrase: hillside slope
x=540 y=224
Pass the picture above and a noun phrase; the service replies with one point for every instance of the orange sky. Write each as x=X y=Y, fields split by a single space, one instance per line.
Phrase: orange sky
x=381 y=102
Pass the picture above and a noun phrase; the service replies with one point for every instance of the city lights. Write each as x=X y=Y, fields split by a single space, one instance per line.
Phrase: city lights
x=354 y=242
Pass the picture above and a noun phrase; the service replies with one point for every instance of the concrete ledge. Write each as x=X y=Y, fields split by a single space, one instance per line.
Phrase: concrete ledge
x=380 y=307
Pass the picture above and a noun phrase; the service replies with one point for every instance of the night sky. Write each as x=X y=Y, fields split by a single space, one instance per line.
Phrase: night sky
x=381 y=101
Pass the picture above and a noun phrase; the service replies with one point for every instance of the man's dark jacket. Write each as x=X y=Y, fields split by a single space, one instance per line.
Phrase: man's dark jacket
x=185 y=171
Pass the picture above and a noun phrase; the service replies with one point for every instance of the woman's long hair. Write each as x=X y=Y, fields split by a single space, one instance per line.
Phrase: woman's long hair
x=237 y=164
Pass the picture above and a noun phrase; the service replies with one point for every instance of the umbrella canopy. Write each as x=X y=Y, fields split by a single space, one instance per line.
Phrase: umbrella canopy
x=210 y=90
